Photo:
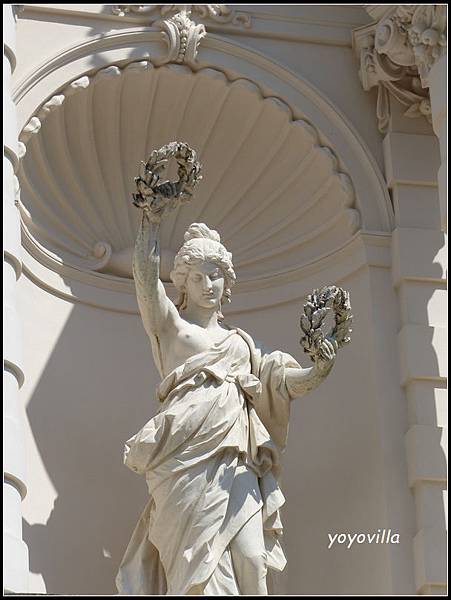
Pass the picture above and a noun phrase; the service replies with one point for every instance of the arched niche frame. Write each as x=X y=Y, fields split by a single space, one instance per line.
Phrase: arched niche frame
x=289 y=183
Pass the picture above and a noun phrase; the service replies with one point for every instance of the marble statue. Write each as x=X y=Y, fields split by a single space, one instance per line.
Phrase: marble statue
x=212 y=454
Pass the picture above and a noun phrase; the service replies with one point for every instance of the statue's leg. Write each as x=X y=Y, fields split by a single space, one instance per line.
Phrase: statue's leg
x=249 y=557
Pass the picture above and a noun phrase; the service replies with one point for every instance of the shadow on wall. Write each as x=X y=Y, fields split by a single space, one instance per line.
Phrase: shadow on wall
x=96 y=391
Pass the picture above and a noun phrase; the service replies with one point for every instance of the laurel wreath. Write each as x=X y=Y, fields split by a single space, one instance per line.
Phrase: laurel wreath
x=318 y=305
x=155 y=195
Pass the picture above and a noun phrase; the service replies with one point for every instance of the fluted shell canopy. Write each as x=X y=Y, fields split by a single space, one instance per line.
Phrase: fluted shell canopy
x=269 y=187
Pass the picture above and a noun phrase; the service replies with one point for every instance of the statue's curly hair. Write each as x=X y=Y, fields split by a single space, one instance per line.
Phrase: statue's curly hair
x=201 y=245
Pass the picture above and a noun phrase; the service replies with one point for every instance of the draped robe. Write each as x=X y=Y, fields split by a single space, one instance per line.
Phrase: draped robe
x=211 y=458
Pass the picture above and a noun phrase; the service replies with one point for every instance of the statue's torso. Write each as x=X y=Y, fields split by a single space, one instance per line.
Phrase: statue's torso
x=186 y=340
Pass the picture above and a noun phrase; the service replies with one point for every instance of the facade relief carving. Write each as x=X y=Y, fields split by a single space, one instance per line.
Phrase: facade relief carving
x=396 y=53
x=182 y=34
x=215 y=13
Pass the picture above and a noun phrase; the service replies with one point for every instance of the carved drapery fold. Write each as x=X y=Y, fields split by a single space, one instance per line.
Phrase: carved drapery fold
x=396 y=53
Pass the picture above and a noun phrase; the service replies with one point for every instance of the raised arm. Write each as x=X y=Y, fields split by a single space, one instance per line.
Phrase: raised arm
x=157 y=311
x=300 y=381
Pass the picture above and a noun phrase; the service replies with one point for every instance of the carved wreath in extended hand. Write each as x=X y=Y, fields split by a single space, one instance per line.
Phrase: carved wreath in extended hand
x=156 y=196
x=319 y=303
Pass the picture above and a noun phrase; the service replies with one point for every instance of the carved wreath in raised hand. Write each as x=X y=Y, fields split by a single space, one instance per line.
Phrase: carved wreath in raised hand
x=318 y=305
x=153 y=194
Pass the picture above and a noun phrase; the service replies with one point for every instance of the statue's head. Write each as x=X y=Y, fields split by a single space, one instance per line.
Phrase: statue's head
x=203 y=270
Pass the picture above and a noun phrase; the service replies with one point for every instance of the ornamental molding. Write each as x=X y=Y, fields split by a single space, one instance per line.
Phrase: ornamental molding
x=183 y=35
x=396 y=54
x=215 y=13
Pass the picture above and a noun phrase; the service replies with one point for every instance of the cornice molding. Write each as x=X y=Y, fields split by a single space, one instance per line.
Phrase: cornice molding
x=396 y=54
x=264 y=23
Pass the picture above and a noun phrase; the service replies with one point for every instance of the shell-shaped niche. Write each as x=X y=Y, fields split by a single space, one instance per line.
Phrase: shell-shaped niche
x=269 y=187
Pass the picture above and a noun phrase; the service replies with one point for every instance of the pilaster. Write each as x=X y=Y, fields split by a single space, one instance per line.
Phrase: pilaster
x=418 y=274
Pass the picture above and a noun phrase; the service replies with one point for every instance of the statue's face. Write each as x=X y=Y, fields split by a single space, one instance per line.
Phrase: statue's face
x=205 y=285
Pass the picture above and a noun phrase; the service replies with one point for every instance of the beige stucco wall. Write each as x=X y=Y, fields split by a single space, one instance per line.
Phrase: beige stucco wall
x=90 y=376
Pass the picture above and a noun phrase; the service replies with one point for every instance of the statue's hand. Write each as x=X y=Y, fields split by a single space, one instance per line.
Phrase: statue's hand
x=157 y=197
x=326 y=356
x=154 y=205
x=157 y=209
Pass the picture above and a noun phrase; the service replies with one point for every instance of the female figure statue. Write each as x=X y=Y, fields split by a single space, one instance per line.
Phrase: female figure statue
x=211 y=456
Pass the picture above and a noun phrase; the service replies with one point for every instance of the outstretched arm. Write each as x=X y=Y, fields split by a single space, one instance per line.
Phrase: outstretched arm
x=300 y=381
x=155 y=307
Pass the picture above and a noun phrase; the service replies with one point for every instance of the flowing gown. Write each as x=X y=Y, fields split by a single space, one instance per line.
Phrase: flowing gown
x=211 y=458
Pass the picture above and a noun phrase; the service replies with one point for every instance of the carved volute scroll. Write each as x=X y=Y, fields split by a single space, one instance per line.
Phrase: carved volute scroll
x=182 y=36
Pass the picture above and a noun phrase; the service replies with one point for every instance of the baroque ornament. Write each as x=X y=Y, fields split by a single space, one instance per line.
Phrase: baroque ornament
x=400 y=82
x=183 y=35
x=396 y=54
x=217 y=13
x=423 y=31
